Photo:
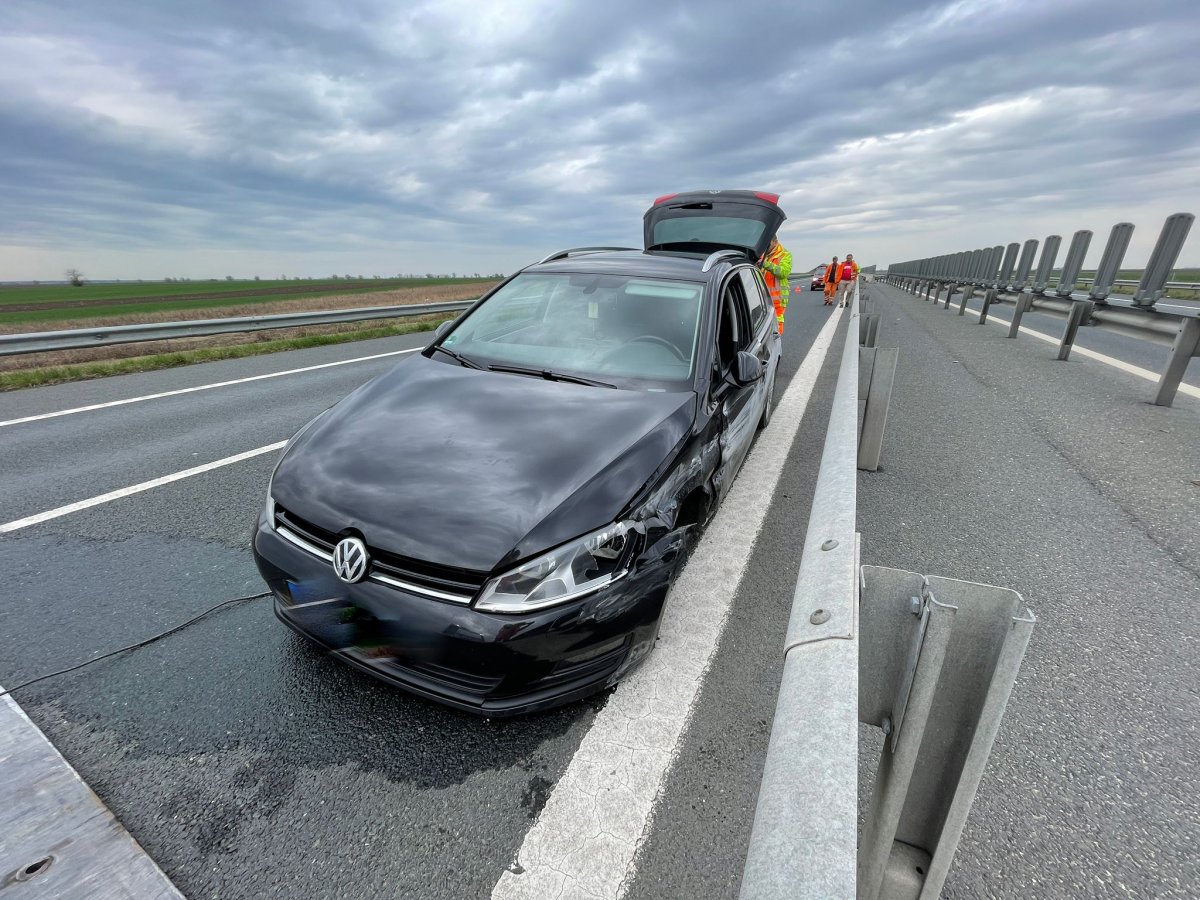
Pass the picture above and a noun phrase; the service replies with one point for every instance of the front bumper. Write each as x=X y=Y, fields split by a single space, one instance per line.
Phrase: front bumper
x=486 y=663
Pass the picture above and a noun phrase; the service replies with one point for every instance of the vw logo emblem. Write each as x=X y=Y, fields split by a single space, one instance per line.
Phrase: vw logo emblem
x=350 y=560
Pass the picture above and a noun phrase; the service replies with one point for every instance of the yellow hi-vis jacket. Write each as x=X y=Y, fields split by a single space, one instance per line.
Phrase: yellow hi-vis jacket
x=777 y=266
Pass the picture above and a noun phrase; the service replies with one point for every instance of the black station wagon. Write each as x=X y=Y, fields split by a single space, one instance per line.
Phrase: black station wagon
x=496 y=521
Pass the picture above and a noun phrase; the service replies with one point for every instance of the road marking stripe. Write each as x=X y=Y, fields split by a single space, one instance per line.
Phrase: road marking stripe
x=1184 y=387
x=1130 y=368
x=202 y=387
x=585 y=840
x=18 y=524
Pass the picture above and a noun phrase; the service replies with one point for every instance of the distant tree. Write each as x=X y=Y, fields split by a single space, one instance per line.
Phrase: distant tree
x=229 y=278
x=75 y=277
x=256 y=278
x=428 y=274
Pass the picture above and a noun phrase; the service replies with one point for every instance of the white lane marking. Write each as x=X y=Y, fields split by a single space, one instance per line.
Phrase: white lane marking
x=1130 y=368
x=18 y=524
x=585 y=841
x=201 y=387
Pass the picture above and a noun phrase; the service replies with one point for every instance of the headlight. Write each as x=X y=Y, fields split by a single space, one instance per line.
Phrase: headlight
x=572 y=571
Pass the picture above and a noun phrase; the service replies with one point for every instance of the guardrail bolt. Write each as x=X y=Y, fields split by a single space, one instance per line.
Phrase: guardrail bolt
x=33 y=869
x=819 y=616
x=829 y=544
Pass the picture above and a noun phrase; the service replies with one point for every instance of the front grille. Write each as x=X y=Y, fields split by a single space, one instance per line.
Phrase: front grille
x=429 y=579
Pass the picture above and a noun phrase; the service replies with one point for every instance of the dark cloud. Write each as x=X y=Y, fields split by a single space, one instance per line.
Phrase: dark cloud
x=320 y=136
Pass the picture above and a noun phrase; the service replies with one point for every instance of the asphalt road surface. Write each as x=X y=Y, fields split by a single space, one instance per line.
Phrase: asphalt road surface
x=250 y=765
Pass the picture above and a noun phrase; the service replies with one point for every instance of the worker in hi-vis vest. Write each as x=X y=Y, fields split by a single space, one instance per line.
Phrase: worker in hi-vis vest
x=777 y=266
x=848 y=275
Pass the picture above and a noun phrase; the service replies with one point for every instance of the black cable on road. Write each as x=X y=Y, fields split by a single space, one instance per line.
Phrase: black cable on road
x=143 y=643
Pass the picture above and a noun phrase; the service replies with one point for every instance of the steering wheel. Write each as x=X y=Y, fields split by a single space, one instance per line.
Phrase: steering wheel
x=655 y=339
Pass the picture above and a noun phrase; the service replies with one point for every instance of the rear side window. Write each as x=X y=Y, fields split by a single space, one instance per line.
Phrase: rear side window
x=723 y=230
x=754 y=298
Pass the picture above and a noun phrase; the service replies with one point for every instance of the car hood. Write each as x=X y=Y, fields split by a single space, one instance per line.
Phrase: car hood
x=475 y=469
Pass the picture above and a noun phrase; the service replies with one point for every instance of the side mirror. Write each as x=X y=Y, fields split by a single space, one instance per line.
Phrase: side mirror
x=440 y=331
x=747 y=368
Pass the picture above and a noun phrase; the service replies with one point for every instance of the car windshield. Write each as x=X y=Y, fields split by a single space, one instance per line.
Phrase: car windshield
x=607 y=327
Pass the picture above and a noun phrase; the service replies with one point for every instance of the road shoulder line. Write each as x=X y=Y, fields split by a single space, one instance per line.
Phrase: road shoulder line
x=1111 y=361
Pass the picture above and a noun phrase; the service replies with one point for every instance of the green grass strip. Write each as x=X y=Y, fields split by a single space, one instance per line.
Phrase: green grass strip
x=12 y=381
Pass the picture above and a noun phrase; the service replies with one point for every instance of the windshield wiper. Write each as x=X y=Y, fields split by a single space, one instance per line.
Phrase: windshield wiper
x=462 y=360
x=551 y=375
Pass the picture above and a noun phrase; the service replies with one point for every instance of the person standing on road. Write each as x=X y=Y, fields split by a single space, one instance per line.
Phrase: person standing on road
x=846 y=278
x=777 y=266
x=832 y=273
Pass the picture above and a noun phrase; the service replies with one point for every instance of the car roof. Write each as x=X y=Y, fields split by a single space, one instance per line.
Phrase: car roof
x=647 y=263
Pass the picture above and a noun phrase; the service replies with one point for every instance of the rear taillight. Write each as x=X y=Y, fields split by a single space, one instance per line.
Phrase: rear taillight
x=761 y=195
x=664 y=198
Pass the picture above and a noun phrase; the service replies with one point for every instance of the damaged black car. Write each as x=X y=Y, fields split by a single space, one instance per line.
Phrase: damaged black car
x=495 y=523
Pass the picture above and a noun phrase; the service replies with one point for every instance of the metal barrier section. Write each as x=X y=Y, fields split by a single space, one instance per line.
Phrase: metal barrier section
x=1074 y=262
x=1046 y=264
x=931 y=661
x=1110 y=261
x=74 y=339
x=938 y=659
x=1166 y=250
x=1024 y=266
x=1138 y=313
x=803 y=841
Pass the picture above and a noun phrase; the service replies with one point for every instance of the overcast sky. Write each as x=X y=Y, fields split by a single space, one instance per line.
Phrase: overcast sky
x=311 y=137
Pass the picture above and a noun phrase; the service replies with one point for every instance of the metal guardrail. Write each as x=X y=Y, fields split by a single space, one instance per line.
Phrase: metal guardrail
x=1143 y=313
x=74 y=339
x=803 y=842
x=931 y=662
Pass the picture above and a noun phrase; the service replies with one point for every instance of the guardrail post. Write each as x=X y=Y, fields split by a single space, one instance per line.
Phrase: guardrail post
x=1186 y=346
x=1074 y=263
x=989 y=297
x=1162 y=260
x=1080 y=314
x=880 y=369
x=1024 y=302
x=962 y=304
